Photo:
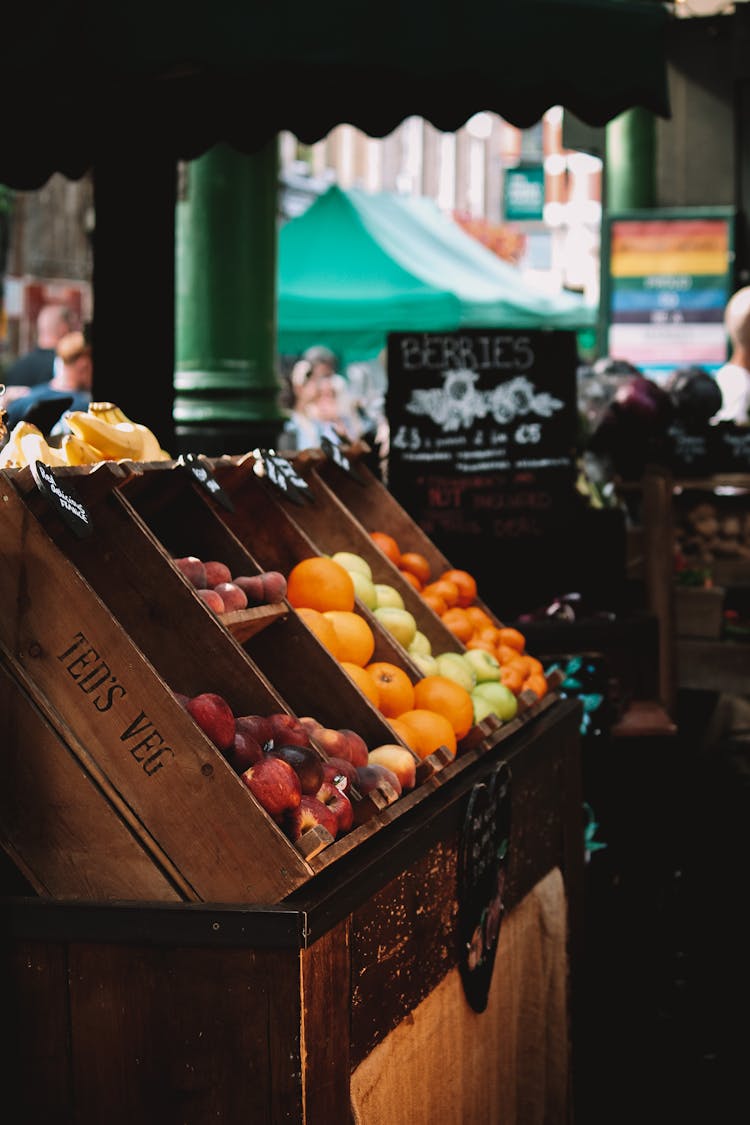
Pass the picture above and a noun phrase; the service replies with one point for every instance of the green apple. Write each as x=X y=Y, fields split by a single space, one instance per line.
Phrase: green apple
x=353 y=563
x=504 y=702
x=388 y=596
x=399 y=623
x=486 y=666
x=421 y=645
x=454 y=666
x=482 y=708
x=364 y=588
x=427 y=665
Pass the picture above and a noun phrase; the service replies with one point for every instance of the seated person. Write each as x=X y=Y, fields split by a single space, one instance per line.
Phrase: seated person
x=69 y=387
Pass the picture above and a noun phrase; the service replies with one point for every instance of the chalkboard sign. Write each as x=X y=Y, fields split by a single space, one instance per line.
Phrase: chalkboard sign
x=482 y=865
x=731 y=448
x=281 y=475
x=64 y=499
x=691 y=452
x=200 y=472
x=483 y=427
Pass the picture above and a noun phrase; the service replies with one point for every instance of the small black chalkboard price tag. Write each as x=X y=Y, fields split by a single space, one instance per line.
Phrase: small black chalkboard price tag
x=690 y=451
x=205 y=478
x=331 y=446
x=281 y=474
x=732 y=448
x=482 y=866
x=63 y=498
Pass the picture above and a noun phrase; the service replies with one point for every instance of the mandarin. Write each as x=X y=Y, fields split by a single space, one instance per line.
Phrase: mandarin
x=513 y=677
x=457 y=622
x=320 y=583
x=448 y=698
x=479 y=617
x=427 y=731
x=512 y=637
x=395 y=689
x=387 y=545
x=445 y=589
x=536 y=682
x=467 y=585
x=437 y=604
x=355 y=638
x=417 y=565
x=411 y=579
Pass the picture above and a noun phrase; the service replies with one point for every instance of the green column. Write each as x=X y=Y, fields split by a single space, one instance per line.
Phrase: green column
x=226 y=379
x=630 y=166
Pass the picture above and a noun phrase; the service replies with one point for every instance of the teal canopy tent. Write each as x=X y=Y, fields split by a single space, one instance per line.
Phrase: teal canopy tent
x=356 y=266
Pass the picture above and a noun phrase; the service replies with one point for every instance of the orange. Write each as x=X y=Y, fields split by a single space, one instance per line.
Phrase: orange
x=320 y=583
x=394 y=686
x=459 y=624
x=535 y=667
x=411 y=579
x=387 y=545
x=437 y=604
x=478 y=617
x=512 y=637
x=363 y=680
x=321 y=627
x=438 y=693
x=402 y=730
x=505 y=653
x=487 y=633
x=467 y=586
x=417 y=565
x=355 y=637
x=537 y=683
x=513 y=677
x=445 y=589
x=427 y=730
x=485 y=646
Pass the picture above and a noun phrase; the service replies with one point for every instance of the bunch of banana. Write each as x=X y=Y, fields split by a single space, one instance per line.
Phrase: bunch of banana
x=104 y=428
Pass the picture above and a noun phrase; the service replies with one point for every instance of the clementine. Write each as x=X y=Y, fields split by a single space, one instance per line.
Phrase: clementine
x=427 y=731
x=417 y=565
x=411 y=579
x=445 y=589
x=458 y=623
x=394 y=687
x=512 y=637
x=322 y=628
x=355 y=638
x=387 y=545
x=513 y=677
x=363 y=680
x=320 y=583
x=437 y=604
x=479 y=617
x=448 y=698
x=537 y=683
x=467 y=585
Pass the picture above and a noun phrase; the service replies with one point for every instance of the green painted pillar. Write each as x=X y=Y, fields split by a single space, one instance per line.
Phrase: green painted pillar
x=226 y=380
x=630 y=165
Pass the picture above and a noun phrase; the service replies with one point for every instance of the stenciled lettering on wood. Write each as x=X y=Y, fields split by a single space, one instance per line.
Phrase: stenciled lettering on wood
x=96 y=680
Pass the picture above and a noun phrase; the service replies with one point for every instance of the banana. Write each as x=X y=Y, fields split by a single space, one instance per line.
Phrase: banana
x=78 y=452
x=12 y=456
x=108 y=412
x=117 y=442
x=35 y=448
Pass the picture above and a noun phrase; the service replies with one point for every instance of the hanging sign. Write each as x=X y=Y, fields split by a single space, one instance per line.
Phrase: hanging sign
x=482 y=867
x=331 y=446
x=483 y=429
x=523 y=193
x=64 y=499
x=281 y=474
x=205 y=478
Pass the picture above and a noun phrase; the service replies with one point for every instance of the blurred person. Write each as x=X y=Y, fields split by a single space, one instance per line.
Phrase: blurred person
x=68 y=389
x=734 y=377
x=37 y=366
x=322 y=408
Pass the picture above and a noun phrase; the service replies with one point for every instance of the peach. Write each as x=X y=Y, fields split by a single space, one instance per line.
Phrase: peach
x=217 y=572
x=373 y=776
x=193 y=569
x=232 y=596
x=398 y=760
x=213 y=600
x=252 y=587
x=274 y=586
x=344 y=743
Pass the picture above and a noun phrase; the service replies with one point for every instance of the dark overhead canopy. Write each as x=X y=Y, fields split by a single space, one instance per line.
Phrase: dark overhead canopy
x=82 y=77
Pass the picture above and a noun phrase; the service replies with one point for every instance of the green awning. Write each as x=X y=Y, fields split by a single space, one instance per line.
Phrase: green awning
x=356 y=266
x=81 y=78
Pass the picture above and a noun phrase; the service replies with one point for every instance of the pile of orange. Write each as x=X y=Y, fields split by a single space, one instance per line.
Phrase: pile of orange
x=452 y=595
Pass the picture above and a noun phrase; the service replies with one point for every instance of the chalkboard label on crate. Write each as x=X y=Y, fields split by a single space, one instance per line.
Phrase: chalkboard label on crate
x=64 y=499
x=281 y=475
x=205 y=478
x=731 y=448
x=483 y=427
x=691 y=452
x=482 y=866
x=331 y=446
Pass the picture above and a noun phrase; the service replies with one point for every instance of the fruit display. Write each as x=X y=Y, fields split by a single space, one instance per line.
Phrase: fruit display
x=224 y=592
x=102 y=432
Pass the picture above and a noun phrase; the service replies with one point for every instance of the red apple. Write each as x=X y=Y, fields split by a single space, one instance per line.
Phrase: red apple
x=246 y=750
x=308 y=814
x=256 y=726
x=193 y=569
x=346 y=744
x=286 y=730
x=274 y=784
x=231 y=595
x=339 y=804
x=217 y=572
x=398 y=760
x=306 y=763
x=252 y=587
x=213 y=715
x=343 y=774
x=369 y=777
x=213 y=600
